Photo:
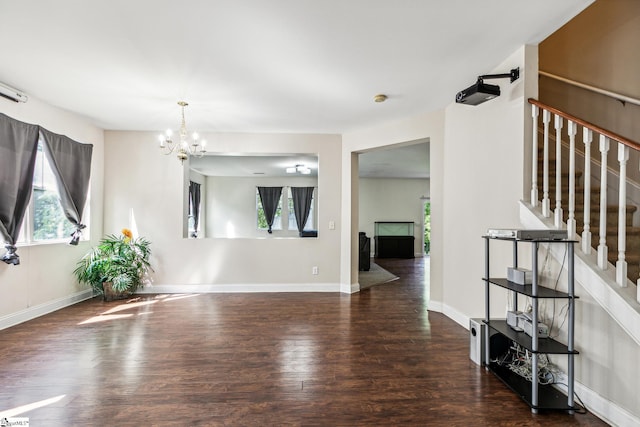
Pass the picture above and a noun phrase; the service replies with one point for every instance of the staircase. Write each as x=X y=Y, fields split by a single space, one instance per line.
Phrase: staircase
x=599 y=146
x=632 y=254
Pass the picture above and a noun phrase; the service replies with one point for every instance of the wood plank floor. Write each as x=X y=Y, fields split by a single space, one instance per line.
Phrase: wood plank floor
x=376 y=358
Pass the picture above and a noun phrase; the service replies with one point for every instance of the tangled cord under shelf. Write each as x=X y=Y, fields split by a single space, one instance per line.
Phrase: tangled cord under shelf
x=518 y=360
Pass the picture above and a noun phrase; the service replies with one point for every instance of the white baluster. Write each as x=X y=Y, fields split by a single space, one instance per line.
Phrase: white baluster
x=602 y=246
x=546 y=205
x=558 y=211
x=571 y=220
x=587 y=137
x=621 y=264
x=534 y=157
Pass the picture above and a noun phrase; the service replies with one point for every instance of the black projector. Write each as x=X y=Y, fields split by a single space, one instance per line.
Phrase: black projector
x=477 y=94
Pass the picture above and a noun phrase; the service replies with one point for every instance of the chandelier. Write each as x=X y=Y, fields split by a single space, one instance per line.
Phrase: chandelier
x=186 y=146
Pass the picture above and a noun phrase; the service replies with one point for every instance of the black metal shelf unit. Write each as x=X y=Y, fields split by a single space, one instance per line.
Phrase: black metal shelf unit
x=537 y=396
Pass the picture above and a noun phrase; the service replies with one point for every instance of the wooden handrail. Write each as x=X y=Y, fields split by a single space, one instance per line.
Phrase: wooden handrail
x=611 y=135
x=610 y=94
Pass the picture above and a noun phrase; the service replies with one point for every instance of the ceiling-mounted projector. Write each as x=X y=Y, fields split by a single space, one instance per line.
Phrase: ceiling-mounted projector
x=12 y=94
x=482 y=92
x=477 y=93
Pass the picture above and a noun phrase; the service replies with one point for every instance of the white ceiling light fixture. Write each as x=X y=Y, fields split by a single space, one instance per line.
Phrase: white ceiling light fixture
x=184 y=148
x=301 y=169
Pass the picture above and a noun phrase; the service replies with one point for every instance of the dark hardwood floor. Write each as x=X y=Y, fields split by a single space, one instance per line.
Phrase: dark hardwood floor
x=376 y=358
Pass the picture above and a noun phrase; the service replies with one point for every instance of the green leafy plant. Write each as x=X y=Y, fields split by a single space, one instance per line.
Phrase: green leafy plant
x=427 y=227
x=121 y=260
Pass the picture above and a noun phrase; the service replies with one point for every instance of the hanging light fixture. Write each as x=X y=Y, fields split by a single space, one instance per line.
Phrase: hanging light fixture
x=186 y=146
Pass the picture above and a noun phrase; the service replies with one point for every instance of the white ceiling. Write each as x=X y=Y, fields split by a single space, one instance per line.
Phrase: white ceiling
x=261 y=66
x=409 y=161
x=265 y=66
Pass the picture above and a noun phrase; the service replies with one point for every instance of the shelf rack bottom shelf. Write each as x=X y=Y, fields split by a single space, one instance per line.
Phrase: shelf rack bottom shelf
x=549 y=398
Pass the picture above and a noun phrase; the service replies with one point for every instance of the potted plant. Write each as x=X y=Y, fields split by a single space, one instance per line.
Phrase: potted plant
x=116 y=267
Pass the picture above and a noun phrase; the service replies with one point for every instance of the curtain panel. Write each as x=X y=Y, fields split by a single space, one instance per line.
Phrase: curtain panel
x=302 y=199
x=194 y=206
x=71 y=165
x=270 y=196
x=18 y=150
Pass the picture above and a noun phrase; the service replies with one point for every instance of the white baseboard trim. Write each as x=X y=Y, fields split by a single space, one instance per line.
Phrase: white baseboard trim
x=350 y=289
x=602 y=408
x=44 y=308
x=434 y=306
x=239 y=288
x=453 y=314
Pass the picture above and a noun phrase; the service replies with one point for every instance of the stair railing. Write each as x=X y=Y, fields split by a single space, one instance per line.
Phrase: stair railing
x=605 y=137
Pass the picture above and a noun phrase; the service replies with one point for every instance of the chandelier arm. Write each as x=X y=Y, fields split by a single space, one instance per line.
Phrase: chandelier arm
x=168 y=148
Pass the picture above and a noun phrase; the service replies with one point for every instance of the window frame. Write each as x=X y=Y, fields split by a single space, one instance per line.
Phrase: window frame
x=27 y=228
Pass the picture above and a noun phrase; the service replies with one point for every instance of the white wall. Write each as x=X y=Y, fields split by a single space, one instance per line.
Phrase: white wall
x=483 y=181
x=140 y=182
x=392 y=200
x=44 y=281
x=231 y=205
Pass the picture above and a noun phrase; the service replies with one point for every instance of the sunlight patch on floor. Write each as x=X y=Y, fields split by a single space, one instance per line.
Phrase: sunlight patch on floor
x=29 y=407
x=104 y=318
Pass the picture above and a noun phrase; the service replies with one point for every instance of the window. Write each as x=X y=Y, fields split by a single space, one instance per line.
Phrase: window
x=45 y=221
x=262 y=219
x=293 y=224
x=285 y=218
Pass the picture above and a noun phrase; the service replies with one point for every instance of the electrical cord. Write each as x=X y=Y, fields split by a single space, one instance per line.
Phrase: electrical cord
x=518 y=360
x=555 y=287
x=584 y=409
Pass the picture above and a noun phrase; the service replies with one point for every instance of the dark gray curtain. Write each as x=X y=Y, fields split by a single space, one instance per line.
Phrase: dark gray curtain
x=194 y=206
x=71 y=165
x=18 y=149
x=270 y=196
x=302 y=197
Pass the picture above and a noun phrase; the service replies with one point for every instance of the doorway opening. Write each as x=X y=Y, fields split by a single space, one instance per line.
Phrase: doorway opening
x=391 y=183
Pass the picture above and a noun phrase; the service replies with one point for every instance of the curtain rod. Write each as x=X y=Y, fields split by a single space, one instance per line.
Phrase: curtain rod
x=605 y=92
